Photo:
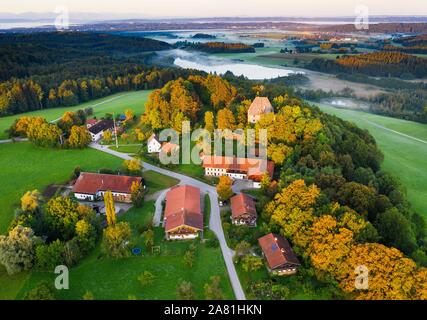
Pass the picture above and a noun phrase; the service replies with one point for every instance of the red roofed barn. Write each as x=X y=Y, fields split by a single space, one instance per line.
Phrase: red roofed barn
x=92 y=186
x=280 y=257
x=243 y=210
x=183 y=215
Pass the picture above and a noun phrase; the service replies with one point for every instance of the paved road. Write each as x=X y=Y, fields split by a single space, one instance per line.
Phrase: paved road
x=158 y=213
x=10 y=140
x=215 y=219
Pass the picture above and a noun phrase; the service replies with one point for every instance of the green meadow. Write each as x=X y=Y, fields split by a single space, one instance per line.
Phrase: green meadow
x=118 y=279
x=404 y=144
x=117 y=103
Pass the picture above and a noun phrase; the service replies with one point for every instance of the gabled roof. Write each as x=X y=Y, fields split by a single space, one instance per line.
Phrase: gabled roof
x=101 y=126
x=254 y=168
x=277 y=251
x=155 y=137
x=241 y=205
x=91 y=122
x=91 y=183
x=183 y=208
x=260 y=105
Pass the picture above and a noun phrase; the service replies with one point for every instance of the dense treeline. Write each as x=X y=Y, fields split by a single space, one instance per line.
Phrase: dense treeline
x=378 y=64
x=404 y=104
x=216 y=47
x=57 y=69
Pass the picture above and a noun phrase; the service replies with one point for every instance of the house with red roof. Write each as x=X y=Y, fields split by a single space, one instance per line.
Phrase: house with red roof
x=183 y=217
x=92 y=186
x=281 y=259
x=243 y=210
x=237 y=168
x=259 y=107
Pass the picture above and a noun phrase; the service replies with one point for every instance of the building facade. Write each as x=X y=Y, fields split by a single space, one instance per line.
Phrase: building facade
x=92 y=187
x=243 y=210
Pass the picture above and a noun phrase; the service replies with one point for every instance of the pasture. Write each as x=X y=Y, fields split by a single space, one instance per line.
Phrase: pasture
x=404 y=144
x=117 y=103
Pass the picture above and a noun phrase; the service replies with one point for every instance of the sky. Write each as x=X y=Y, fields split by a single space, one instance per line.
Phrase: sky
x=221 y=8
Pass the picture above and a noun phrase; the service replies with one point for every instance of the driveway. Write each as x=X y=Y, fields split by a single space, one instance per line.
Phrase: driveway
x=159 y=208
x=215 y=219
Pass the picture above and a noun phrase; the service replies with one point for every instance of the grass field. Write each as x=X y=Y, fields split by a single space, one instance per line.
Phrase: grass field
x=405 y=156
x=156 y=181
x=27 y=167
x=117 y=279
x=117 y=103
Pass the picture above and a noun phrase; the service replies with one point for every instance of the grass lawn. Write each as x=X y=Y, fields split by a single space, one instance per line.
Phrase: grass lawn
x=27 y=167
x=117 y=103
x=156 y=181
x=117 y=279
x=406 y=158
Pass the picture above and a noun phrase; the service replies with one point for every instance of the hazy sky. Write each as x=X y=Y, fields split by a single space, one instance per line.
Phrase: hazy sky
x=204 y=8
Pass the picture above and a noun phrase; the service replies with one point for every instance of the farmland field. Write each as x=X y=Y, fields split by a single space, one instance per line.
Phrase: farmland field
x=404 y=144
x=115 y=103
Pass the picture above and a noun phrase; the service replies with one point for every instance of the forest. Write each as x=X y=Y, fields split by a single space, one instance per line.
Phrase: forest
x=48 y=70
x=377 y=64
x=216 y=47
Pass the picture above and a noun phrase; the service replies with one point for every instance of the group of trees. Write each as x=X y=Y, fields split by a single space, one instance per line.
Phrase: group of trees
x=184 y=99
x=336 y=240
x=69 y=132
x=47 y=235
x=216 y=47
x=377 y=64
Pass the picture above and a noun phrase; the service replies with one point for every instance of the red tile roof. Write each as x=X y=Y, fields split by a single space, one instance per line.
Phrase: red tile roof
x=277 y=251
x=242 y=204
x=91 y=121
x=183 y=208
x=254 y=168
x=260 y=105
x=91 y=183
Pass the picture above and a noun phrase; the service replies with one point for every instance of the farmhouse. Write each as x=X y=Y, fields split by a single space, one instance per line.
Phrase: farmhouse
x=92 y=186
x=183 y=218
x=281 y=259
x=91 y=122
x=237 y=168
x=243 y=210
x=153 y=144
x=96 y=131
x=259 y=107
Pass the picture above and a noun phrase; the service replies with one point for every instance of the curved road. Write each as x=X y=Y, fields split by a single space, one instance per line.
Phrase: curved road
x=215 y=219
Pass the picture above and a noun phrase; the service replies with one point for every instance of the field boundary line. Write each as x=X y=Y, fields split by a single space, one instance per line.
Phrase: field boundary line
x=394 y=131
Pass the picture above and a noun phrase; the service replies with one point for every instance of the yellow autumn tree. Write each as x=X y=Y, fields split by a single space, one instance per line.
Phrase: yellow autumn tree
x=107 y=136
x=391 y=276
x=30 y=201
x=79 y=137
x=292 y=211
x=110 y=209
x=209 y=121
x=225 y=120
x=224 y=189
x=133 y=165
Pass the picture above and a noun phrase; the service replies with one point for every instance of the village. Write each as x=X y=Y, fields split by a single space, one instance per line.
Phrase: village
x=181 y=209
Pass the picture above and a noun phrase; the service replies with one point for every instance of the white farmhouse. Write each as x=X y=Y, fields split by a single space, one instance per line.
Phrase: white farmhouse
x=153 y=144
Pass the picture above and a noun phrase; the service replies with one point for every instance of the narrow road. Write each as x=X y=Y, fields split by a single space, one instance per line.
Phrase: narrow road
x=215 y=219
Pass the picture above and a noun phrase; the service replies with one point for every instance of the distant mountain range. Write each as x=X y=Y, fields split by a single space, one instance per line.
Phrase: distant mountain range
x=87 y=17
